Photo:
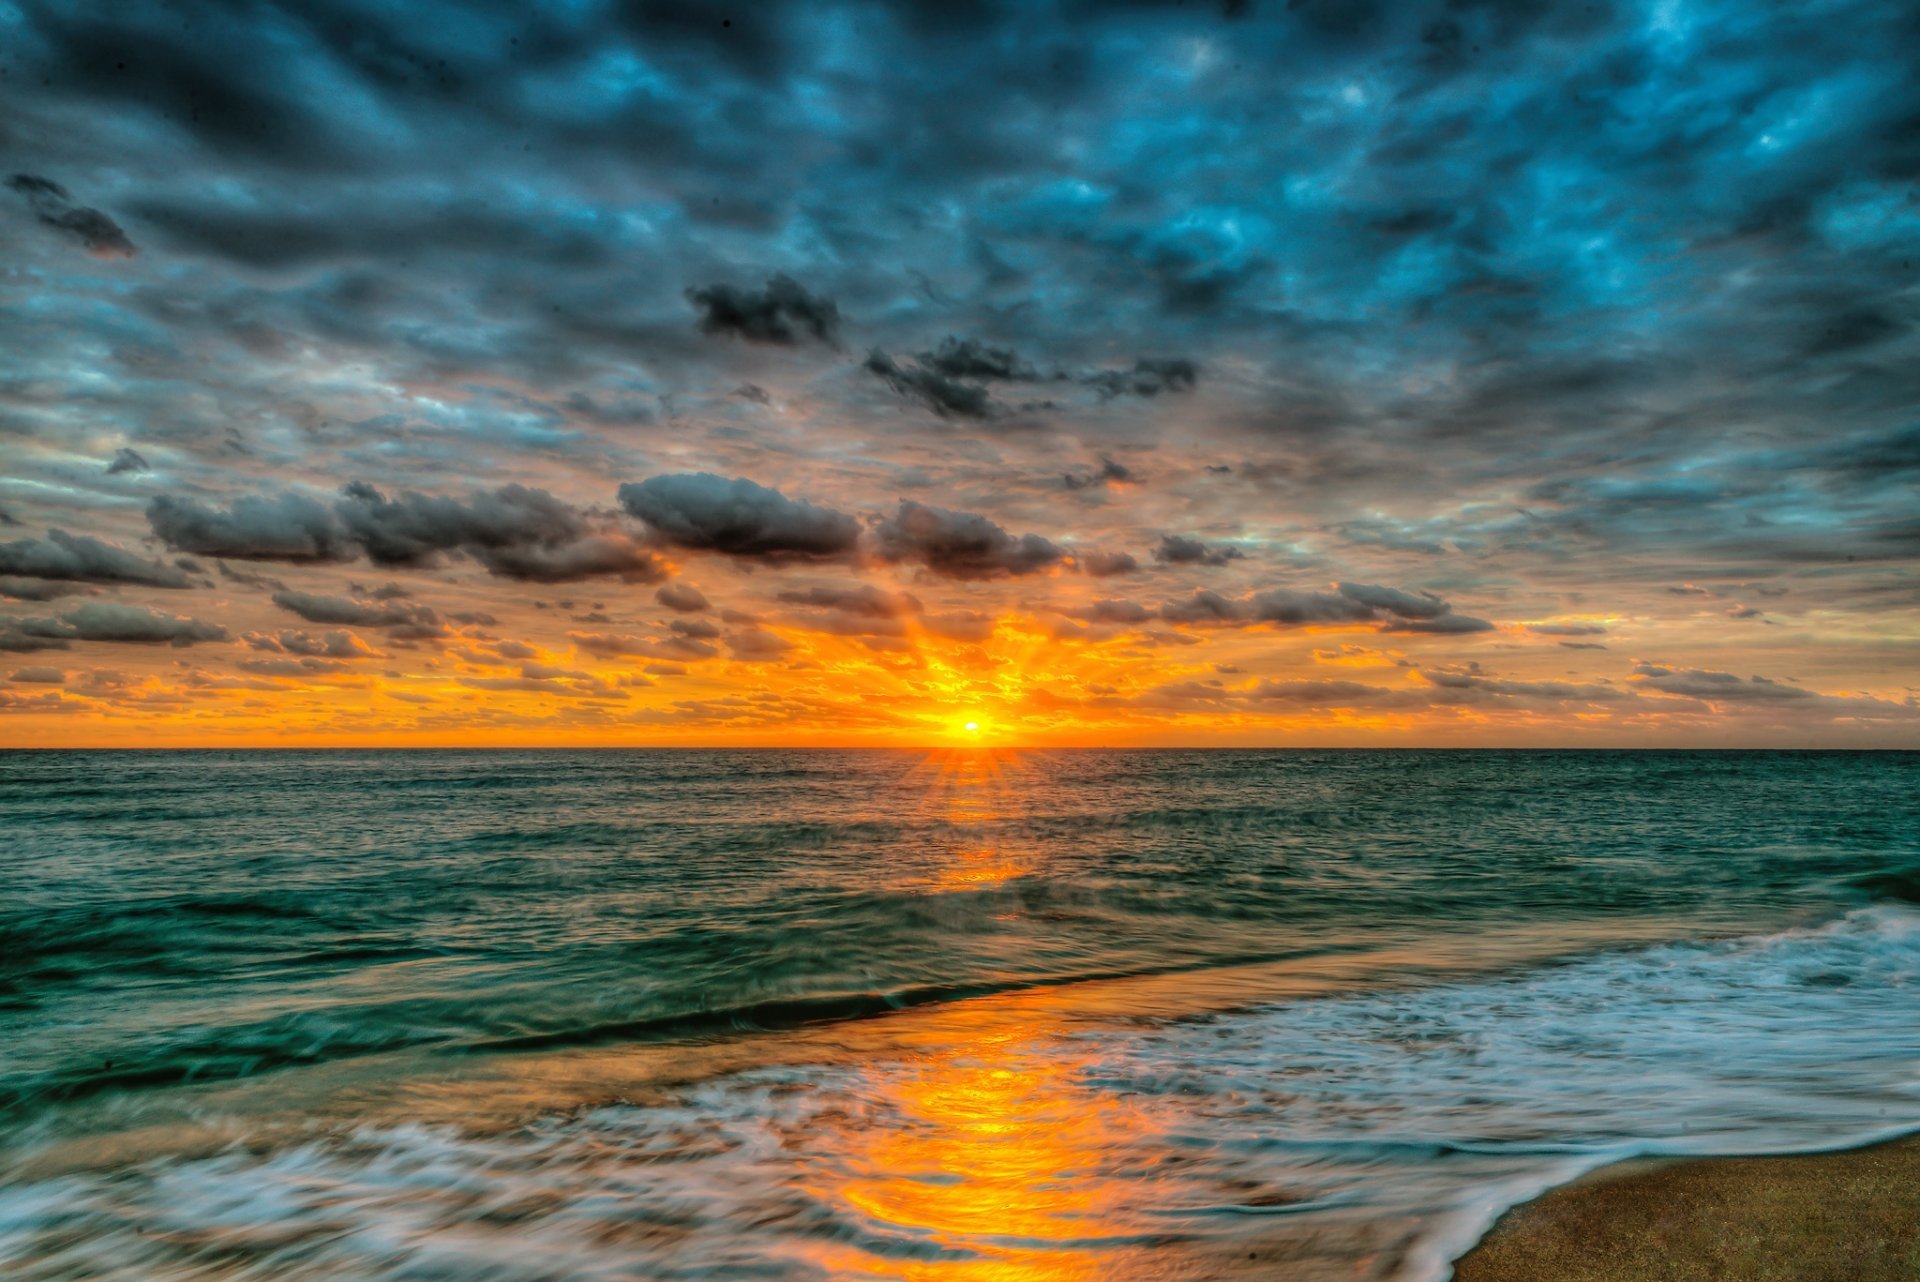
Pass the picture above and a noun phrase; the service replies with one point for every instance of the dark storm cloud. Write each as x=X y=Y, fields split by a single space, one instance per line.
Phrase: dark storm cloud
x=952 y=380
x=736 y=517
x=960 y=545
x=98 y=234
x=946 y=396
x=107 y=621
x=958 y=358
x=1178 y=549
x=284 y=527
x=79 y=558
x=515 y=532
x=781 y=313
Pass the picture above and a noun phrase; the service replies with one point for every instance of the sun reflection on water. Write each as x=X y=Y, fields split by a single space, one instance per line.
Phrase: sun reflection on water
x=990 y=1159
x=972 y=793
x=987 y=1157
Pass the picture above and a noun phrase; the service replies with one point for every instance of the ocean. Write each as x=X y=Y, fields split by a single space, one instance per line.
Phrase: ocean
x=522 y=1016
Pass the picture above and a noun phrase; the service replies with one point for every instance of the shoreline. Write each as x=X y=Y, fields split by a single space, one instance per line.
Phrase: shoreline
x=1846 y=1215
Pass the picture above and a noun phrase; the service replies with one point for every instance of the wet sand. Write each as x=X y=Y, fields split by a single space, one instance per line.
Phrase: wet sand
x=1835 y=1217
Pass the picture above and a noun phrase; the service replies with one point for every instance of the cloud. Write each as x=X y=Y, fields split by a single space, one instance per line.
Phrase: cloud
x=285 y=527
x=80 y=558
x=1106 y=565
x=98 y=234
x=335 y=644
x=1148 y=377
x=127 y=459
x=1566 y=629
x=300 y=667
x=1177 y=549
x=735 y=517
x=1412 y=611
x=1109 y=476
x=107 y=621
x=861 y=599
x=247 y=578
x=1385 y=609
x=1377 y=311
x=1717 y=687
x=1206 y=608
x=958 y=358
x=757 y=645
x=683 y=598
x=399 y=618
x=952 y=380
x=960 y=545
x=882 y=619
x=17 y=589
x=780 y=314
x=1486 y=684
x=561 y=683
x=946 y=396
x=698 y=629
x=1105 y=610
x=1417 y=606
x=1333 y=694
x=514 y=532
x=610 y=646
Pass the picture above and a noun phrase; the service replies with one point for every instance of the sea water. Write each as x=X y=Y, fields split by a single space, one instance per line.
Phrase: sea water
x=952 y=1015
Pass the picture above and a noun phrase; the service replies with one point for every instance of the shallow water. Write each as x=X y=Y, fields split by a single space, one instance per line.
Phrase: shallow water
x=973 y=1015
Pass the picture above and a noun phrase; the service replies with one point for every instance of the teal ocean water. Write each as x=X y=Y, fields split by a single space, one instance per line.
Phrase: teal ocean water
x=809 y=1014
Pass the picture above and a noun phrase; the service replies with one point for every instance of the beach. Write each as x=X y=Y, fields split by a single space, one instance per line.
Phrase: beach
x=1851 y=1216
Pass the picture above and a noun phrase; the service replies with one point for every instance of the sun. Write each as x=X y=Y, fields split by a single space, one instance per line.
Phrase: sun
x=970 y=727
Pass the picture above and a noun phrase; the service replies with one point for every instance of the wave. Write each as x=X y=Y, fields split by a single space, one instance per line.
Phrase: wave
x=1899 y=883
x=191 y=1057
x=788 y=1013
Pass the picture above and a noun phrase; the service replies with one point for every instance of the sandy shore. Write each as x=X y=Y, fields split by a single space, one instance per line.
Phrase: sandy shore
x=1836 y=1217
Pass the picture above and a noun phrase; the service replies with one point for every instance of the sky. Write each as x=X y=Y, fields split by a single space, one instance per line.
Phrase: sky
x=1442 y=372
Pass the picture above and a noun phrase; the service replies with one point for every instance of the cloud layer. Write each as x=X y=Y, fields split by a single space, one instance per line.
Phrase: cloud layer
x=1139 y=373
